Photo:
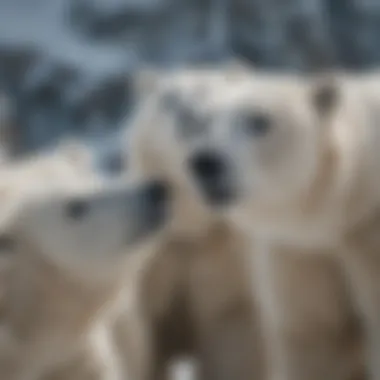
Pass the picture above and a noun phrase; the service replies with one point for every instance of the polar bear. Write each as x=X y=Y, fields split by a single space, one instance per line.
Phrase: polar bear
x=72 y=241
x=294 y=160
x=203 y=140
x=196 y=291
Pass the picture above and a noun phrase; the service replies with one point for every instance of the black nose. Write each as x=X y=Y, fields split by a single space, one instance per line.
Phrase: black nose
x=212 y=174
x=208 y=166
x=157 y=192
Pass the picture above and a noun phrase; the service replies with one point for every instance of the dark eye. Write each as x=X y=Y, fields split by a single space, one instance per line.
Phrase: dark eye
x=76 y=209
x=258 y=125
x=7 y=244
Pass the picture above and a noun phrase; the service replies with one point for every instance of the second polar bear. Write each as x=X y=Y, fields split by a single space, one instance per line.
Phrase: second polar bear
x=196 y=291
x=296 y=160
x=71 y=241
x=193 y=120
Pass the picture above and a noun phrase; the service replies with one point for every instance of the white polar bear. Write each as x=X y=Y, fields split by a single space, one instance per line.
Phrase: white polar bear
x=288 y=160
x=71 y=240
x=196 y=292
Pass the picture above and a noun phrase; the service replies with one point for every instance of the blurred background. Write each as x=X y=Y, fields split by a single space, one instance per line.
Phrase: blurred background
x=65 y=65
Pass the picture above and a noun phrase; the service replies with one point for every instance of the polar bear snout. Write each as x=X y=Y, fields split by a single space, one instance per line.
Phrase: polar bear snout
x=212 y=174
x=208 y=166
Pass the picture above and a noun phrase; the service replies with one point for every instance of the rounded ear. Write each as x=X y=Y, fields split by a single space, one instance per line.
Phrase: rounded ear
x=325 y=95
